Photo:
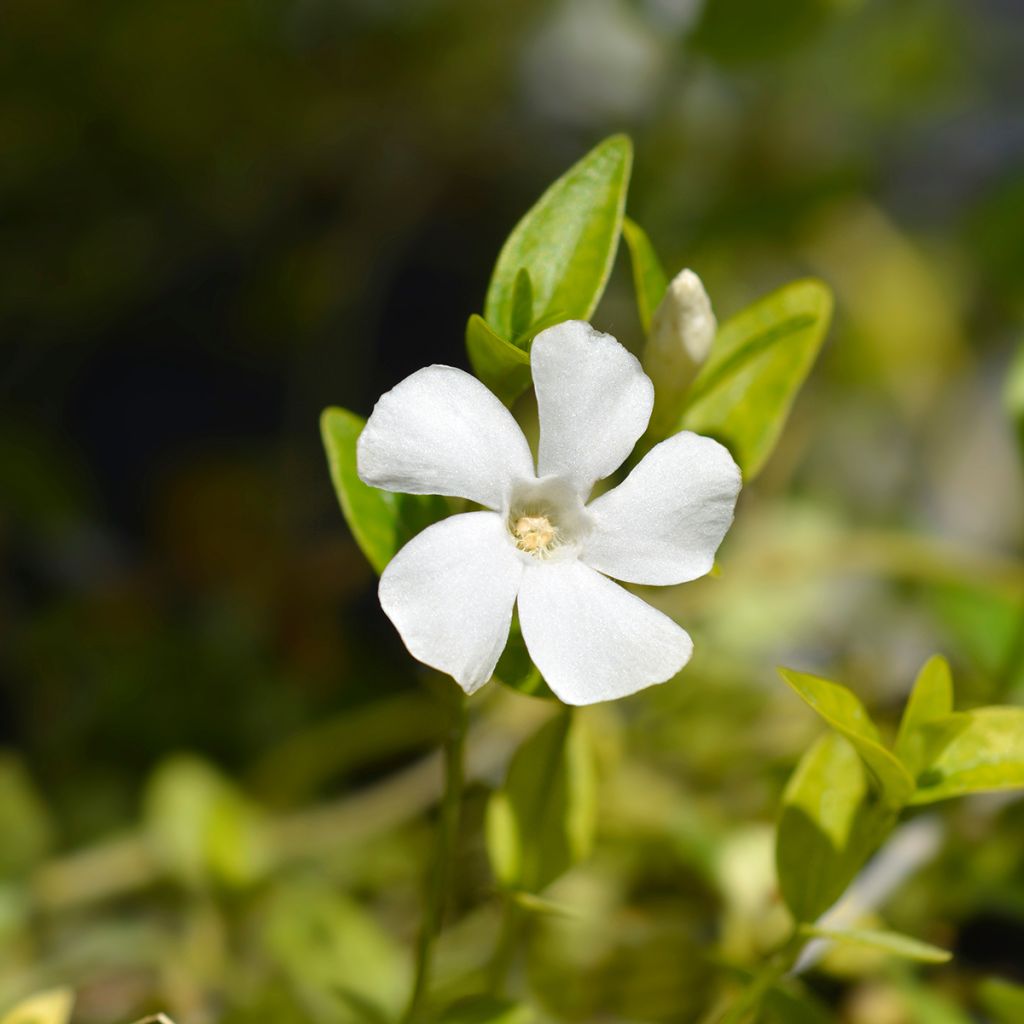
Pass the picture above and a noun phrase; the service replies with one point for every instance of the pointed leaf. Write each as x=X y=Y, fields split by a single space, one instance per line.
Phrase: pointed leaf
x=761 y=356
x=502 y=366
x=542 y=821
x=649 y=279
x=847 y=715
x=976 y=751
x=567 y=240
x=894 y=943
x=931 y=699
x=829 y=825
x=381 y=522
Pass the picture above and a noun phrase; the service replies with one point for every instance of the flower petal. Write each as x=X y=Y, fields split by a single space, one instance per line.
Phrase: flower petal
x=450 y=592
x=591 y=639
x=594 y=401
x=664 y=522
x=440 y=431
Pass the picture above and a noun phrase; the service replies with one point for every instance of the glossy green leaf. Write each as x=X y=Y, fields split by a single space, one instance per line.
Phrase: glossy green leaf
x=931 y=699
x=846 y=714
x=381 y=522
x=760 y=357
x=1014 y=393
x=502 y=366
x=201 y=828
x=486 y=1010
x=649 y=278
x=1002 y=999
x=542 y=821
x=829 y=825
x=893 y=943
x=974 y=752
x=567 y=240
x=50 y=1007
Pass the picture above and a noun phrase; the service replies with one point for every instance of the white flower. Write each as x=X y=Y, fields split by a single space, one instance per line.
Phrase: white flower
x=450 y=591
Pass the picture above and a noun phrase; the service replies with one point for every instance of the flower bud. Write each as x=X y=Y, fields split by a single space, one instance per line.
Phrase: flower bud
x=682 y=330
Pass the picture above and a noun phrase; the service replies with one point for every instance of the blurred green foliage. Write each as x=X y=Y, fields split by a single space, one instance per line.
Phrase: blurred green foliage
x=219 y=218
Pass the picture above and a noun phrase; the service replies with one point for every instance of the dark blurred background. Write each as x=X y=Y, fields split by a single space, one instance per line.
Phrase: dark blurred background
x=218 y=217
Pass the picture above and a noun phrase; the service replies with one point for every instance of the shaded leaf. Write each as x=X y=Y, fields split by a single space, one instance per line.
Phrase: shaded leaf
x=502 y=366
x=845 y=713
x=828 y=827
x=24 y=821
x=486 y=1010
x=760 y=357
x=542 y=821
x=567 y=240
x=1005 y=1001
x=516 y=669
x=649 y=279
x=931 y=698
x=976 y=751
x=380 y=521
x=894 y=943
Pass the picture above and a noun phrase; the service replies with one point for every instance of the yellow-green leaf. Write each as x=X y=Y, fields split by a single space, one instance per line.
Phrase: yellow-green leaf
x=760 y=357
x=829 y=825
x=1002 y=999
x=975 y=752
x=903 y=946
x=649 y=278
x=846 y=714
x=931 y=699
x=50 y=1007
x=502 y=366
x=566 y=241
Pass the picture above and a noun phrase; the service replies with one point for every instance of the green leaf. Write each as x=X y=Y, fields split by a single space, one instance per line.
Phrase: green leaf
x=24 y=820
x=1003 y=1000
x=522 y=303
x=828 y=827
x=502 y=366
x=543 y=820
x=50 y=1007
x=847 y=715
x=1013 y=396
x=649 y=279
x=760 y=357
x=486 y=1010
x=381 y=522
x=974 y=752
x=201 y=828
x=567 y=240
x=931 y=699
x=894 y=943
x=516 y=669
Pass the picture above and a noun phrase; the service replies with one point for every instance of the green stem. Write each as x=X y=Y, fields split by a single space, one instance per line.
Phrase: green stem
x=747 y=1004
x=441 y=872
x=505 y=949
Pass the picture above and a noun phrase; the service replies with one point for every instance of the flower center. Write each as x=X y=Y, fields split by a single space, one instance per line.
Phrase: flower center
x=546 y=519
x=536 y=535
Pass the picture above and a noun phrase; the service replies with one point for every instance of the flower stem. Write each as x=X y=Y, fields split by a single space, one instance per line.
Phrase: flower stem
x=439 y=885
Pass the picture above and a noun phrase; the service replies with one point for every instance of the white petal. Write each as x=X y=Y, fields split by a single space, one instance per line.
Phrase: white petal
x=664 y=522
x=594 y=401
x=450 y=593
x=591 y=639
x=440 y=431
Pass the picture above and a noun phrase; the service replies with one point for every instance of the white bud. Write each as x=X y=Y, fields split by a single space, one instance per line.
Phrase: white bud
x=682 y=330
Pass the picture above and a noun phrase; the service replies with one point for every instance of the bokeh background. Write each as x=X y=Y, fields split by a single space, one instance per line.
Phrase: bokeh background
x=216 y=219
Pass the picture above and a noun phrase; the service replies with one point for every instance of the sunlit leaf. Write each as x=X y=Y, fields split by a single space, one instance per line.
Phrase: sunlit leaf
x=380 y=521
x=846 y=714
x=201 y=828
x=976 y=751
x=542 y=821
x=894 y=943
x=829 y=825
x=50 y=1007
x=1002 y=999
x=502 y=366
x=760 y=357
x=931 y=699
x=649 y=279
x=522 y=303
x=566 y=241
